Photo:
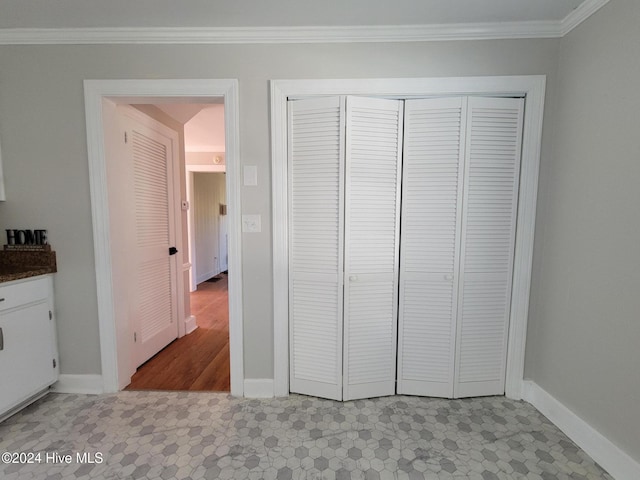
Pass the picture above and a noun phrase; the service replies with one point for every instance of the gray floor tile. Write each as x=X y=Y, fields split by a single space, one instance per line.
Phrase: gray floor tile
x=174 y=435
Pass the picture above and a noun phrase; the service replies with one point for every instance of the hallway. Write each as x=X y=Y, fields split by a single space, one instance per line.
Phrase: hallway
x=198 y=361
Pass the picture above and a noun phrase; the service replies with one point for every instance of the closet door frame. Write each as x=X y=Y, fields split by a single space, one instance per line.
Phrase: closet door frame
x=531 y=87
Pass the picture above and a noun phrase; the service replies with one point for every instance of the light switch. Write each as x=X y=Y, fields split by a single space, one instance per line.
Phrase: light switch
x=250 y=175
x=251 y=223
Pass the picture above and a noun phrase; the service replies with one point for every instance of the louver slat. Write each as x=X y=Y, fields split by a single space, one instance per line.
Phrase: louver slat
x=374 y=143
x=488 y=231
x=431 y=218
x=154 y=283
x=316 y=222
x=151 y=201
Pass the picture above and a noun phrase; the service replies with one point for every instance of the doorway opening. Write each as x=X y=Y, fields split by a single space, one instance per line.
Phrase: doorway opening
x=115 y=338
x=199 y=360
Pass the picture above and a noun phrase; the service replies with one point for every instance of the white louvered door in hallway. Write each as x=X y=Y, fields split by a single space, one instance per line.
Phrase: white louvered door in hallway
x=153 y=301
x=419 y=269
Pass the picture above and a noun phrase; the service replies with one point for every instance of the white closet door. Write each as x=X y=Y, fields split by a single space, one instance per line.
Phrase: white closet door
x=430 y=245
x=373 y=160
x=316 y=224
x=492 y=167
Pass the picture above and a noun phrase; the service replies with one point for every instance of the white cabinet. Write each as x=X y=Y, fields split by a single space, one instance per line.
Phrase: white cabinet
x=28 y=350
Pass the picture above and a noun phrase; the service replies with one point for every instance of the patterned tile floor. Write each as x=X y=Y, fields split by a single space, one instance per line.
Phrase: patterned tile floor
x=176 y=435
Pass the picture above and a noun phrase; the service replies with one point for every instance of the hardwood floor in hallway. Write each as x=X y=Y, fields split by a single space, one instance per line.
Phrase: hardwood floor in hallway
x=198 y=361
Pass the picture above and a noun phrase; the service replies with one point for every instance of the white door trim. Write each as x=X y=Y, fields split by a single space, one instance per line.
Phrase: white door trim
x=151 y=91
x=531 y=87
x=189 y=171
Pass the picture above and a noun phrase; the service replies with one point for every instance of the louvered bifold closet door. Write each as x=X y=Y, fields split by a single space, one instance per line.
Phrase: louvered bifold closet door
x=372 y=200
x=430 y=245
x=316 y=226
x=492 y=172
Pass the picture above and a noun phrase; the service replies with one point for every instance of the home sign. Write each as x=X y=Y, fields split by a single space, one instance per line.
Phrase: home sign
x=26 y=237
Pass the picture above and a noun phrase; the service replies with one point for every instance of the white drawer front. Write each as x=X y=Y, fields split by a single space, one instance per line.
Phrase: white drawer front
x=22 y=293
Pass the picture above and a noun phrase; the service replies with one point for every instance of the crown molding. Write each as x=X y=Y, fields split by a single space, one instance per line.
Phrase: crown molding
x=580 y=14
x=278 y=35
x=283 y=35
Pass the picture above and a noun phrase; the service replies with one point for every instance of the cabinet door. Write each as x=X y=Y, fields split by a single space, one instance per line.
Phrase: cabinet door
x=316 y=224
x=26 y=360
x=372 y=227
x=430 y=245
x=492 y=175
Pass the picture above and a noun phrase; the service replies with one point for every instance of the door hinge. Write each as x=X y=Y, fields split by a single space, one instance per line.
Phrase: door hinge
x=125 y=137
x=55 y=364
x=50 y=315
x=135 y=337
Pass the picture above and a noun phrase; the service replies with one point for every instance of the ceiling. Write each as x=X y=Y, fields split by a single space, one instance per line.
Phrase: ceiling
x=181 y=112
x=203 y=124
x=205 y=131
x=273 y=13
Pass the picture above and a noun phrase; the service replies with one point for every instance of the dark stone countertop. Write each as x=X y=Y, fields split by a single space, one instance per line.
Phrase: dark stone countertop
x=16 y=265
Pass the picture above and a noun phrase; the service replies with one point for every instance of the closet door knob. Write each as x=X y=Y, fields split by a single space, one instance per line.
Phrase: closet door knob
x=448 y=277
x=353 y=278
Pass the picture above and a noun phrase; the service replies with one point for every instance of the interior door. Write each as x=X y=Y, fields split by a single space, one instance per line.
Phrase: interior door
x=316 y=237
x=460 y=197
x=459 y=206
x=430 y=244
x=492 y=176
x=153 y=265
x=372 y=227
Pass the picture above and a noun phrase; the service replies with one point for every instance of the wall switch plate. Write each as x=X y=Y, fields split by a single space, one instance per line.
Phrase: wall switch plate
x=250 y=175
x=251 y=223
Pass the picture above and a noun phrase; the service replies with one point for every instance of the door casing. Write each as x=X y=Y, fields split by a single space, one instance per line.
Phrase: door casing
x=191 y=169
x=153 y=92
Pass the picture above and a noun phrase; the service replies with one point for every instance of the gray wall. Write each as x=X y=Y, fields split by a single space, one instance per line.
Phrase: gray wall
x=42 y=130
x=585 y=309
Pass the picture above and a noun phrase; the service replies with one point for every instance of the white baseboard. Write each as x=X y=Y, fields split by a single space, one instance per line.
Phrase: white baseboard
x=258 y=388
x=89 y=384
x=190 y=324
x=206 y=276
x=610 y=457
